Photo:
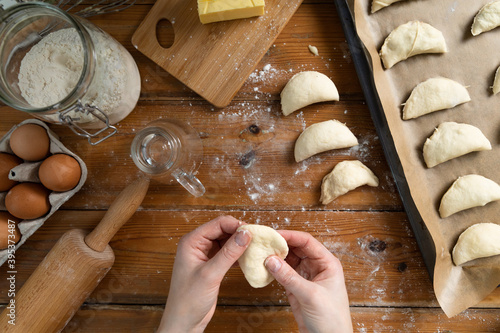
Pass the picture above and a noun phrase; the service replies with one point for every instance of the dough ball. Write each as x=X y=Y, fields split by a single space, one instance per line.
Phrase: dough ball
x=411 y=39
x=478 y=241
x=381 y=4
x=496 y=82
x=265 y=242
x=488 y=18
x=345 y=177
x=321 y=137
x=451 y=140
x=467 y=192
x=307 y=88
x=434 y=94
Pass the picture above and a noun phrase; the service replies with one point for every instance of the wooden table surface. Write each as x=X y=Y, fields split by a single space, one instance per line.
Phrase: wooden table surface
x=249 y=172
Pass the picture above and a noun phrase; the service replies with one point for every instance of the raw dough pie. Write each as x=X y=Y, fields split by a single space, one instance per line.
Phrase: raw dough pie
x=410 y=39
x=380 y=4
x=468 y=192
x=265 y=242
x=488 y=18
x=496 y=82
x=478 y=241
x=435 y=94
x=323 y=136
x=345 y=177
x=307 y=88
x=451 y=140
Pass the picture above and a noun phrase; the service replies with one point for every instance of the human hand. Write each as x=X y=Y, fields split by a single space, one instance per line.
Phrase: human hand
x=314 y=283
x=203 y=258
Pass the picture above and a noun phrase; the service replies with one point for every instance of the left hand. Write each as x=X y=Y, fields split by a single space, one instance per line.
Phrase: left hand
x=203 y=258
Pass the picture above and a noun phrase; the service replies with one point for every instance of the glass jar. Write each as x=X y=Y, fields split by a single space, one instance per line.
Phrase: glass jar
x=63 y=69
x=169 y=148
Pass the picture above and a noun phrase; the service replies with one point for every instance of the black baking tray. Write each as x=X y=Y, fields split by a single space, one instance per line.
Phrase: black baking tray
x=363 y=67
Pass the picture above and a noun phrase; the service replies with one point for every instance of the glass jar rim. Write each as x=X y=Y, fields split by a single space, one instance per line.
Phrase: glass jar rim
x=89 y=56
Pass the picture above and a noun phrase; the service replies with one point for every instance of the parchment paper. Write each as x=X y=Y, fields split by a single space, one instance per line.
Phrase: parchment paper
x=472 y=61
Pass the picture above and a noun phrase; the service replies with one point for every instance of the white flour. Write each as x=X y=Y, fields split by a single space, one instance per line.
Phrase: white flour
x=52 y=68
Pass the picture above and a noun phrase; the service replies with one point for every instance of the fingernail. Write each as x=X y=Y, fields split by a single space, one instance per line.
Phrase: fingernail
x=242 y=237
x=273 y=264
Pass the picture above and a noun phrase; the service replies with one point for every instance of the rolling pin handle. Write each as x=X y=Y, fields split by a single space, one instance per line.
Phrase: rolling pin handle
x=120 y=211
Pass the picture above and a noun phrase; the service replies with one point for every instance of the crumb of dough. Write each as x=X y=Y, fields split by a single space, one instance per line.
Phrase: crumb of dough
x=313 y=50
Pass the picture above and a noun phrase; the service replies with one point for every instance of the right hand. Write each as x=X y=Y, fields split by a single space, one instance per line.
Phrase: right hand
x=314 y=283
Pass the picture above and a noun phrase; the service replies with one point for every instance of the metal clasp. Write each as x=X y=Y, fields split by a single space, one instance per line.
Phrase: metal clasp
x=71 y=122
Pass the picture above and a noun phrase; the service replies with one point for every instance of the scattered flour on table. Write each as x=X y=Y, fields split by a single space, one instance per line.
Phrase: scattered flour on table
x=266 y=74
x=361 y=328
x=304 y=165
x=259 y=189
x=363 y=150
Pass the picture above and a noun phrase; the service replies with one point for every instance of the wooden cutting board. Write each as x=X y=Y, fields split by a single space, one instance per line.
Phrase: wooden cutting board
x=212 y=59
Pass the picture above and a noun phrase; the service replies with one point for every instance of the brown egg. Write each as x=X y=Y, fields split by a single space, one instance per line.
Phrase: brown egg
x=7 y=162
x=8 y=236
x=30 y=142
x=28 y=201
x=60 y=172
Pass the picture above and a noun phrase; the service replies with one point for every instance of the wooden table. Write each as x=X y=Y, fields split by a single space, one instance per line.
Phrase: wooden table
x=249 y=172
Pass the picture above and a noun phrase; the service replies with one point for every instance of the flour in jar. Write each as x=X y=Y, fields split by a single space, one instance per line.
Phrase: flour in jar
x=52 y=68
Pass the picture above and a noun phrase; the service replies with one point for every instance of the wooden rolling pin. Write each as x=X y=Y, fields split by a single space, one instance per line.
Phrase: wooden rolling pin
x=71 y=270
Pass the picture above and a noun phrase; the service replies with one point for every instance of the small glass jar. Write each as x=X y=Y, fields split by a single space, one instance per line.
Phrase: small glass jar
x=63 y=69
x=168 y=148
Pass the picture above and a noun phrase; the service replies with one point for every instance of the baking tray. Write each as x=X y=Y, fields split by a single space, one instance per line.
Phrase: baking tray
x=363 y=67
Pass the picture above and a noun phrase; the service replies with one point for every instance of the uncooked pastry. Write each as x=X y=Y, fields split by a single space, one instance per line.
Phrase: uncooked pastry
x=496 y=82
x=323 y=136
x=313 y=49
x=380 y=4
x=410 y=39
x=488 y=18
x=478 y=241
x=451 y=140
x=306 y=88
x=468 y=192
x=265 y=242
x=435 y=94
x=345 y=177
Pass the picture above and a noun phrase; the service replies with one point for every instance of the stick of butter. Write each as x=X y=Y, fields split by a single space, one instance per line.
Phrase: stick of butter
x=224 y=10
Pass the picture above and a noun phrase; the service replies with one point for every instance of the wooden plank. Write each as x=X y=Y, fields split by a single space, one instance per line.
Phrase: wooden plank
x=382 y=264
x=288 y=55
x=151 y=2
x=248 y=159
x=229 y=169
x=138 y=319
x=386 y=278
x=215 y=59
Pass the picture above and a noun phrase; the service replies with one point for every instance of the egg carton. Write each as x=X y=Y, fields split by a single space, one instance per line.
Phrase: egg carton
x=28 y=172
